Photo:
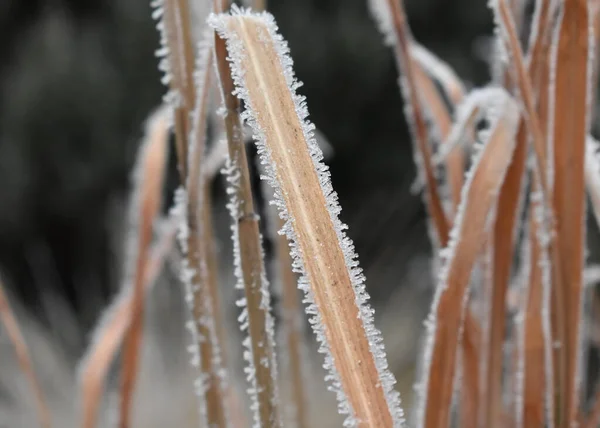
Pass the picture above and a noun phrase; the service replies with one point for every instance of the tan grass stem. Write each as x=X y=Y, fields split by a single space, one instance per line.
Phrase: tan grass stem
x=15 y=336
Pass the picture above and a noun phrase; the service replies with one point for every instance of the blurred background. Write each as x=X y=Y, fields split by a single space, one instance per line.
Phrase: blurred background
x=78 y=79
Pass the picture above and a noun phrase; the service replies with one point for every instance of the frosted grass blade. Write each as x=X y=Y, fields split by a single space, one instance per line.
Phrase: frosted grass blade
x=201 y=292
x=177 y=64
x=261 y=370
x=147 y=199
x=341 y=317
x=15 y=336
x=391 y=18
x=478 y=201
x=109 y=332
x=572 y=62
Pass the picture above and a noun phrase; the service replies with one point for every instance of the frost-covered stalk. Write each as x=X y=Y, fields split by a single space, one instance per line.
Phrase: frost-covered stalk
x=177 y=64
x=147 y=199
x=509 y=203
x=249 y=258
x=531 y=409
x=393 y=24
x=202 y=294
x=15 y=336
x=291 y=305
x=430 y=70
x=470 y=382
x=341 y=317
x=572 y=61
x=291 y=313
x=468 y=236
x=109 y=332
x=521 y=76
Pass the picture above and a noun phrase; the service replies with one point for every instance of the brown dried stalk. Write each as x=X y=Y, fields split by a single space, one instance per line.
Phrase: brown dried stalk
x=536 y=387
x=250 y=251
x=534 y=371
x=274 y=117
x=570 y=121
x=203 y=287
x=427 y=62
x=504 y=229
x=109 y=334
x=502 y=257
x=522 y=79
x=15 y=336
x=292 y=312
x=177 y=38
x=292 y=319
x=415 y=117
x=479 y=197
x=149 y=191
x=470 y=391
x=431 y=98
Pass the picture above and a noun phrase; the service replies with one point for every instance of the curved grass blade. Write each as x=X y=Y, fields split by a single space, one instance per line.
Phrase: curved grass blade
x=478 y=202
x=147 y=199
x=15 y=336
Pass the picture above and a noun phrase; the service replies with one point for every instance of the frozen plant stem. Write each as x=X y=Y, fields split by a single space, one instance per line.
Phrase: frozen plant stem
x=470 y=230
x=291 y=305
x=342 y=319
x=291 y=312
x=201 y=285
x=8 y=320
x=250 y=251
x=148 y=188
x=572 y=61
x=403 y=40
x=178 y=66
x=110 y=331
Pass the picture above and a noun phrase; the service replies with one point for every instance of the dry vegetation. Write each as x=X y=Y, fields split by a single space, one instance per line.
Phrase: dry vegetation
x=506 y=170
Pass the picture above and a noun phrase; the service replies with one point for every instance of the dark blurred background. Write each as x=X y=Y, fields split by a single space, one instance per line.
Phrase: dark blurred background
x=78 y=78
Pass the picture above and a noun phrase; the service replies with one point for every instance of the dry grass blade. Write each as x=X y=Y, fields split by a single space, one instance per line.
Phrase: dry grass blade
x=470 y=391
x=249 y=255
x=571 y=60
x=178 y=66
x=534 y=372
x=502 y=258
x=440 y=71
x=9 y=321
x=265 y=81
x=200 y=278
x=522 y=79
x=478 y=201
x=292 y=308
x=427 y=62
x=152 y=161
x=432 y=99
x=111 y=329
x=464 y=124
x=394 y=25
x=291 y=313
x=504 y=228
x=292 y=318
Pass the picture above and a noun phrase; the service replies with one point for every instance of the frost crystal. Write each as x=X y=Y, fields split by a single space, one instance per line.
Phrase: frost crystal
x=380 y=11
x=434 y=66
x=236 y=56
